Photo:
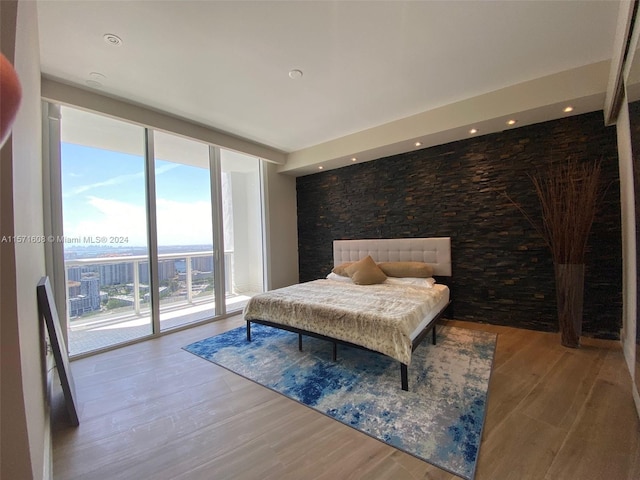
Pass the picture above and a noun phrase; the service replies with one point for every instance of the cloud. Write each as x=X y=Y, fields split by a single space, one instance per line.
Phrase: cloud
x=179 y=223
x=112 y=218
x=118 y=180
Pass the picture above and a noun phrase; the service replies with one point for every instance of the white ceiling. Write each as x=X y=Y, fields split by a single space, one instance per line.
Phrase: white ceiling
x=366 y=64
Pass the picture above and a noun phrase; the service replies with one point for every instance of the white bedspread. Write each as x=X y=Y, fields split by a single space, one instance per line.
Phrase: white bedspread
x=379 y=317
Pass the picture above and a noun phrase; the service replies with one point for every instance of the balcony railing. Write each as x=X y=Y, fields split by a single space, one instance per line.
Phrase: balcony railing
x=137 y=261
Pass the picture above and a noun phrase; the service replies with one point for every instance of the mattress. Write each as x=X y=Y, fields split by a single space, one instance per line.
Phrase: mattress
x=383 y=318
x=437 y=308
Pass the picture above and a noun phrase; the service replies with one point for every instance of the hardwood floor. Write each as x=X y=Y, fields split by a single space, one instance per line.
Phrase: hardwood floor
x=154 y=411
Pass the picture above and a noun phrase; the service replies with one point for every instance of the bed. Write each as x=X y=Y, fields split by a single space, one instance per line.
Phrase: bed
x=392 y=317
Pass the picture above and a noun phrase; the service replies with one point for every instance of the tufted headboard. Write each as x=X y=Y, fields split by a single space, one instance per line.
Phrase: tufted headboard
x=436 y=251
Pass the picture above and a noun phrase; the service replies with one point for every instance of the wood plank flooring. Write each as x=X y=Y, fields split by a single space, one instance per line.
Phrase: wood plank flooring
x=153 y=411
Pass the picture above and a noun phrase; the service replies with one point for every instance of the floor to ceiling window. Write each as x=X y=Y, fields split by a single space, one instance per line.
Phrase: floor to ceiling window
x=184 y=227
x=242 y=208
x=105 y=230
x=156 y=235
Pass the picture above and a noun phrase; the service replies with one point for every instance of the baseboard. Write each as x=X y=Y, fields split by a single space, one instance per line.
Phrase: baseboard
x=629 y=351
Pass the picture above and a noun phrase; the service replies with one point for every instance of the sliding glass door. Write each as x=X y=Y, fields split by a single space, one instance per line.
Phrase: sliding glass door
x=184 y=230
x=106 y=253
x=160 y=231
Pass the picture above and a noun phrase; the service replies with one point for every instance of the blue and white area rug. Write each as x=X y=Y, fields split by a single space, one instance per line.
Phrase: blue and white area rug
x=439 y=420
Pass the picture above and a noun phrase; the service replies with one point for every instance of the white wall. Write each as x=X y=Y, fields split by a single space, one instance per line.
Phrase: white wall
x=281 y=228
x=25 y=418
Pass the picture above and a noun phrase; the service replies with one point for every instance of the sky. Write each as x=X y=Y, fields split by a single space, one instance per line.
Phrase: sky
x=103 y=194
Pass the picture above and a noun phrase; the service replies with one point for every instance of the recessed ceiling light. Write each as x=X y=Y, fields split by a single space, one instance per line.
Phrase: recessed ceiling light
x=511 y=122
x=94 y=84
x=320 y=167
x=295 y=74
x=417 y=144
x=568 y=109
x=354 y=159
x=97 y=76
x=473 y=130
x=112 y=39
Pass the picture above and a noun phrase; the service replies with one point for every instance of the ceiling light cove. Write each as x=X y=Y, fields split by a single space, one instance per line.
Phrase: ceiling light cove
x=295 y=74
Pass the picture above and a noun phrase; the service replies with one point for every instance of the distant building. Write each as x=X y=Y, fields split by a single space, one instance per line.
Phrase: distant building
x=166 y=271
x=73 y=288
x=74 y=274
x=79 y=305
x=115 y=273
x=90 y=287
x=143 y=272
x=84 y=295
x=202 y=264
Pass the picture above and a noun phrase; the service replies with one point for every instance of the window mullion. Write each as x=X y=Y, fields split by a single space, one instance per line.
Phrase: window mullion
x=152 y=229
x=218 y=235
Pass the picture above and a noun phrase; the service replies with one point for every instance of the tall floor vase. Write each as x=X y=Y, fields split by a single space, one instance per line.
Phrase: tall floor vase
x=570 y=297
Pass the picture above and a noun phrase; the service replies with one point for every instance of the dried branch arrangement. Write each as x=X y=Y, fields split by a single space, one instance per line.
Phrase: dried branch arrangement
x=569 y=195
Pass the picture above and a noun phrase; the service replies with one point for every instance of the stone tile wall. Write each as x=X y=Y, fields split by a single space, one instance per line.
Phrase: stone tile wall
x=502 y=269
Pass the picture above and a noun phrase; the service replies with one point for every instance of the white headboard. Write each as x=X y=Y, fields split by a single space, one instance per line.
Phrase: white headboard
x=436 y=251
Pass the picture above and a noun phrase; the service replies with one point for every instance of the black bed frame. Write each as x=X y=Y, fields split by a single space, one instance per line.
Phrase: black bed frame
x=404 y=377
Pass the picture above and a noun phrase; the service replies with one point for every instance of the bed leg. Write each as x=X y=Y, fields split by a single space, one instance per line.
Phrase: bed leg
x=300 y=341
x=335 y=351
x=434 y=334
x=404 y=377
x=248 y=331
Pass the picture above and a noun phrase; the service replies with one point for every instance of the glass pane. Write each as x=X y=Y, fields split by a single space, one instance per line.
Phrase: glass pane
x=105 y=230
x=242 y=220
x=185 y=234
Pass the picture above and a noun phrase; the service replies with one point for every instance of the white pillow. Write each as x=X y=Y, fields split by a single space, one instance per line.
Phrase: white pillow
x=339 y=278
x=418 y=282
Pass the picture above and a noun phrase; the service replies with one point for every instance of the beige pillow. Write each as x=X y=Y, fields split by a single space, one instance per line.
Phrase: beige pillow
x=365 y=272
x=340 y=269
x=406 y=269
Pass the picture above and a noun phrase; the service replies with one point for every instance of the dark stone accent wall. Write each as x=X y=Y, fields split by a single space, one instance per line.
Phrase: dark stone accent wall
x=502 y=269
